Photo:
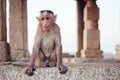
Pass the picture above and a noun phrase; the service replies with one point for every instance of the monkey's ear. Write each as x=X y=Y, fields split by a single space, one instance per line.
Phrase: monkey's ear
x=55 y=17
x=38 y=18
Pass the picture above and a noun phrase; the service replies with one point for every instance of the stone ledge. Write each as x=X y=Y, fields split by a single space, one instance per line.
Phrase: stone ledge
x=87 y=69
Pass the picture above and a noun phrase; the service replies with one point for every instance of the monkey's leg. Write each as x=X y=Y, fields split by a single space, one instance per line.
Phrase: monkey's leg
x=38 y=60
x=53 y=59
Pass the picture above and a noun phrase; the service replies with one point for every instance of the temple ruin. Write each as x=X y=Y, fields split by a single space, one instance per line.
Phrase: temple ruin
x=17 y=48
x=92 y=65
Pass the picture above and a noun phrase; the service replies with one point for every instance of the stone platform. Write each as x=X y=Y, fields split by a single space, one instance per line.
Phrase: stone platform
x=78 y=69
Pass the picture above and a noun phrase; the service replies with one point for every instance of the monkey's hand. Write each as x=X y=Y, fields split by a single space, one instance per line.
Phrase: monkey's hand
x=63 y=69
x=30 y=71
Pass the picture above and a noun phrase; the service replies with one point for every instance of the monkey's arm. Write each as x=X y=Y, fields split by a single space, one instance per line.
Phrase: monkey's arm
x=33 y=55
x=62 y=68
x=58 y=46
x=31 y=68
x=59 y=54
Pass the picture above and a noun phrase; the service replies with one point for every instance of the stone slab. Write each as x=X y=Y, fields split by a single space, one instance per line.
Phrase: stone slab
x=87 y=69
x=91 y=53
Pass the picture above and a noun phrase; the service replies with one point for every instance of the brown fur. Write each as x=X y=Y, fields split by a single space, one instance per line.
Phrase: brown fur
x=47 y=49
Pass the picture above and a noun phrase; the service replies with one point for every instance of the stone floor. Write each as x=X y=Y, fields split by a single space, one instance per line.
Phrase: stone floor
x=78 y=69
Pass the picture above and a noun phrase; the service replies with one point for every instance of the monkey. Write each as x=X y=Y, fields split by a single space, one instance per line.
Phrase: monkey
x=47 y=48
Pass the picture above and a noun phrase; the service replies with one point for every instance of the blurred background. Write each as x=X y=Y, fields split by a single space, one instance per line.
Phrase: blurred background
x=109 y=22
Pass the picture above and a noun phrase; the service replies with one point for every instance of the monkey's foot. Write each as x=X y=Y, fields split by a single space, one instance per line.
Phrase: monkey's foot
x=30 y=71
x=63 y=69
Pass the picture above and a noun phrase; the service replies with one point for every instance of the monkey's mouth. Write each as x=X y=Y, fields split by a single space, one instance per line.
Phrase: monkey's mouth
x=46 y=27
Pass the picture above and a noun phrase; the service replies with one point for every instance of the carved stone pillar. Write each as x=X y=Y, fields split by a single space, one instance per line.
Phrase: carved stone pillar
x=80 y=26
x=18 y=29
x=3 y=29
x=4 y=53
x=91 y=34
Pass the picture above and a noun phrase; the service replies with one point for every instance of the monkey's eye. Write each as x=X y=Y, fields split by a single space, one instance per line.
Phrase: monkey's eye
x=42 y=19
x=47 y=18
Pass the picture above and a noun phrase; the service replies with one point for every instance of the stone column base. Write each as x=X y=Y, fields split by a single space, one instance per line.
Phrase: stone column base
x=19 y=54
x=4 y=51
x=78 y=54
x=91 y=54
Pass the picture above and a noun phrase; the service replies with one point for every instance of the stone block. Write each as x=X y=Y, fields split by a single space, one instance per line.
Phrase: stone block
x=91 y=53
x=4 y=51
x=91 y=38
x=19 y=54
x=91 y=12
x=67 y=55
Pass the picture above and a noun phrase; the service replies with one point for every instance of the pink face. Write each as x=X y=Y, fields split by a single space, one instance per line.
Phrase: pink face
x=46 y=20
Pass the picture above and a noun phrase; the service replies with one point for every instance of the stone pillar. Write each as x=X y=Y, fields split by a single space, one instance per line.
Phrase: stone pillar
x=80 y=26
x=91 y=34
x=18 y=29
x=3 y=29
x=117 y=55
x=4 y=53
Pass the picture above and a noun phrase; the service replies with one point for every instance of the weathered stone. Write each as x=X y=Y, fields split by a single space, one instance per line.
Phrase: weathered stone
x=91 y=34
x=80 y=6
x=18 y=29
x=4 y=53
x=87 y=69
x=19 y=54
x=91 y=39
x=117 y=48
x=91 y=53
x=4 y=47
x=3 y=29
x=67 y=55
x=91 y=11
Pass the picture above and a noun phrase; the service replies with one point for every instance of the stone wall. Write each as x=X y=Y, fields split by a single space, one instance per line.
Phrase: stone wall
x=78 y=69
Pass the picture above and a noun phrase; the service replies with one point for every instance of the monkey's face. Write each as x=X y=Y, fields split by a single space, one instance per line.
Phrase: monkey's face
x=46 y=20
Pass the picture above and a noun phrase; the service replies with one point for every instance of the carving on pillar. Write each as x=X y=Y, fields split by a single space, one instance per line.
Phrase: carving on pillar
x=91 y=34
x=4 y=46
x=18 y=29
